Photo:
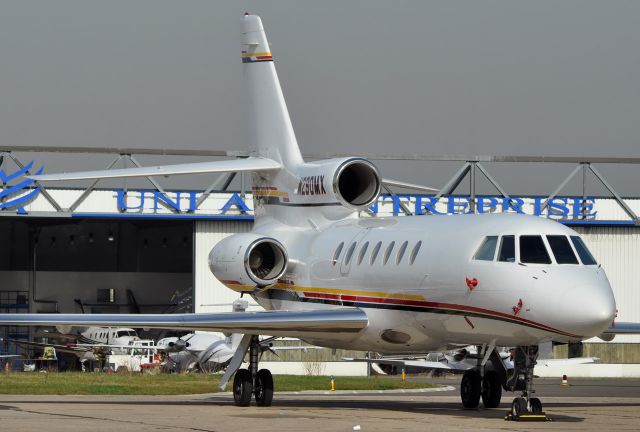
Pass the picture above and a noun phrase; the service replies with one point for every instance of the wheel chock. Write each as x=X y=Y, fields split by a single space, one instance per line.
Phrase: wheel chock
x=529 y=417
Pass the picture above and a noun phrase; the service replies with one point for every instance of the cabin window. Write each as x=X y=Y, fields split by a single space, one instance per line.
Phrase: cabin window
x=336 y=254
x=401 y=252
x=374 y=252
x=533 y=250
x=363 y=251
x=487 y=250
x=561 y=249
x=507 y=249
x=414 y=252
x=387 y=253
x=347 y=257
x=583 y=252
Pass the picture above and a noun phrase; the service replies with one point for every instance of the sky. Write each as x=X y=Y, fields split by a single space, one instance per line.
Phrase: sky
x=404 y=77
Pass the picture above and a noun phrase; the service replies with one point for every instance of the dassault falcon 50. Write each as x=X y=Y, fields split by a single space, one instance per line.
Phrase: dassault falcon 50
x=331 y=275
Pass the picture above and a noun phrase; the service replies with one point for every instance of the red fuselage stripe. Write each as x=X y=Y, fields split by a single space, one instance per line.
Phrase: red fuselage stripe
x=435 y=305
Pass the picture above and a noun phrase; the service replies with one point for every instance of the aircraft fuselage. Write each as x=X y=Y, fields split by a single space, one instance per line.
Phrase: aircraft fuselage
x=422 y=289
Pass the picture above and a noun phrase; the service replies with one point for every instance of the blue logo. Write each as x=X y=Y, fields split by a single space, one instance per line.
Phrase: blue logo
x=19 y=194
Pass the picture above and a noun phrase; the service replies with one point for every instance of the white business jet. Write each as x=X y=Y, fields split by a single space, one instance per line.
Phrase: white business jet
x=336 y=278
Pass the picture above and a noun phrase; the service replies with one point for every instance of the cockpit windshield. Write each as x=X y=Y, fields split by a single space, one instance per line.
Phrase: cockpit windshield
x=533 y=250
x=561 y=249
x=507 y=249
x=583 y=252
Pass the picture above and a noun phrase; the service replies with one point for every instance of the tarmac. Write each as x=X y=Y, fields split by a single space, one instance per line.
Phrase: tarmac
x=586 y=404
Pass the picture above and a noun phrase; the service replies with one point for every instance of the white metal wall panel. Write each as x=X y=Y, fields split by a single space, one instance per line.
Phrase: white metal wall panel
x=209 y=290
x=618 y=250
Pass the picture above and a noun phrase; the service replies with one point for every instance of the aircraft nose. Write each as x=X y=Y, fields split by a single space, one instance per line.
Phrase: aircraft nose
x=594 y=310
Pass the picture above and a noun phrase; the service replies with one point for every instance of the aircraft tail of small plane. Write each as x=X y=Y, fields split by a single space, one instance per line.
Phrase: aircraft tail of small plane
x=268 y=121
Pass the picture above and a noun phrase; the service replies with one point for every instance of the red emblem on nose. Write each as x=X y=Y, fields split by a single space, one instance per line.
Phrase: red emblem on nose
x=472 y=283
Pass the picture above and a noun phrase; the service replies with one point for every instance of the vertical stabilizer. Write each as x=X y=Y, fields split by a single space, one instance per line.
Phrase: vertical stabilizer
x=271 y=132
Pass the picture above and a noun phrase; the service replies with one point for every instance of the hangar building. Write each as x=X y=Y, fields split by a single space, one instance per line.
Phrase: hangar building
x=122 y=250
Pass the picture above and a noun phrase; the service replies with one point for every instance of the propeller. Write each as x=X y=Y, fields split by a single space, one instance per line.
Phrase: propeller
x=179 y=345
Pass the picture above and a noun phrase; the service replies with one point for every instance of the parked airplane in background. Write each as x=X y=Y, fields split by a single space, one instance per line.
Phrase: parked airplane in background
x=337 y=278
x=88 y=343
x=208 y=352
x=457 y=361
x=197 y=351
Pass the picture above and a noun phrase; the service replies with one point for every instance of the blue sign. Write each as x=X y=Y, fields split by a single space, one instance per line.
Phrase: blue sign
x=559 y=207
x=21 y=193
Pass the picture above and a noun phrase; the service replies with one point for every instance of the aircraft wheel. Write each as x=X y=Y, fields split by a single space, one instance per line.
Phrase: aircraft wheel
x=242 y=387
x=518 y=407
x=536 y=405
x=470 y=389
x=264 y=388
x=491 y=390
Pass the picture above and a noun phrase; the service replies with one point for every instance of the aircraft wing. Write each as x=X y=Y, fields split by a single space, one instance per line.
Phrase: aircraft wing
x=61 y=348
x=566 y=362
x=275 y=323
x=623 y=328
x=233 y=165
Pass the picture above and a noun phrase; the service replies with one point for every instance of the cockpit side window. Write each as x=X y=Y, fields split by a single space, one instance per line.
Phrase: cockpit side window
x=487 y=250
x=507 y=249
x=583 y=252
x=533 y=250
x=561 y=249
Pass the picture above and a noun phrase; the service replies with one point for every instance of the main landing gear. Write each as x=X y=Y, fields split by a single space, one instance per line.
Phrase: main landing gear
x=490 y=376
x=482 y=382
x=248 y=382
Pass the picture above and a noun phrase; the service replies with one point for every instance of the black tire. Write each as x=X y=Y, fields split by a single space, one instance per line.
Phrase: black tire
x=264 y=388
x=470 y=389
x=536 y=405
x=518 y=407
x=242 y=387
x=491 y=390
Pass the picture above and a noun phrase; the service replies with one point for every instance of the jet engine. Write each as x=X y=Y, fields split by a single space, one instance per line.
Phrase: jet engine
x=245 y=262
x=357 y=183
x=353 y=182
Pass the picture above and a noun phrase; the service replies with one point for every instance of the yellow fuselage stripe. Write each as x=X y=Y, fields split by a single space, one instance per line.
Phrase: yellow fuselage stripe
x=270 y=193
x=255 y=54
x=338 y=291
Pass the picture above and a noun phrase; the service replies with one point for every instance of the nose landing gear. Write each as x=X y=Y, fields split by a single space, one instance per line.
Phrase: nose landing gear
x=525 y=407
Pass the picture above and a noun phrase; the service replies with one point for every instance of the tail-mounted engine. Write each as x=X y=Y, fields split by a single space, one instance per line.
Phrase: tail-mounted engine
x=246 y=262
x=353 y=182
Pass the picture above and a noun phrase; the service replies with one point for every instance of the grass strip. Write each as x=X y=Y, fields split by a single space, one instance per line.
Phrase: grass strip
x=91 y=383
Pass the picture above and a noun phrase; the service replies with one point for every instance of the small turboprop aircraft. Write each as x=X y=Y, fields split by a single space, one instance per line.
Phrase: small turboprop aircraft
x=88 y=343
x=208 y=352
x=335 y=277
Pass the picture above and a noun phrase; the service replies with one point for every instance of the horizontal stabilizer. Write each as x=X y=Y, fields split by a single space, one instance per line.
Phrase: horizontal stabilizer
x=404 y=185
x=274 y=323
x=233 y=165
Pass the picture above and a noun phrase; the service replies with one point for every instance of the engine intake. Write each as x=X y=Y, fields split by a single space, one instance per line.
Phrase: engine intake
x=265 y=261
x=247 y=261
x=357 y=183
